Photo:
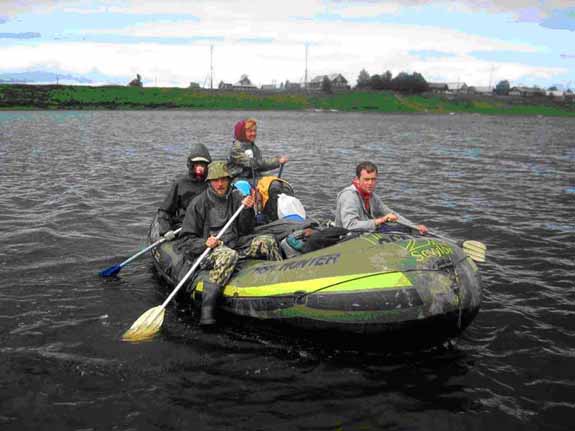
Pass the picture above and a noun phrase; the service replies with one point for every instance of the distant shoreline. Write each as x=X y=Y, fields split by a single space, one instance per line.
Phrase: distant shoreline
x=62 y=97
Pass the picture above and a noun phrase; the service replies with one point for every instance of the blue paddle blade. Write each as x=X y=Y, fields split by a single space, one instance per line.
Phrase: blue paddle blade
x=111 y=271
x=243 y=186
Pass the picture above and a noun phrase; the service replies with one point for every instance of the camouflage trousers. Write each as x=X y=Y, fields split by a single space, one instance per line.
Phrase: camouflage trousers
x=222 y=260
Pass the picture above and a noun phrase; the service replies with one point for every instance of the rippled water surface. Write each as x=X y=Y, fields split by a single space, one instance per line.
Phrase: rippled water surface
x=78 y=190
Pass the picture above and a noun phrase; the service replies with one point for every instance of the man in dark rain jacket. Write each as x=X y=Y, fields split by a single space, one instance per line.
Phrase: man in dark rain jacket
x=205 y=217
x=183 y=189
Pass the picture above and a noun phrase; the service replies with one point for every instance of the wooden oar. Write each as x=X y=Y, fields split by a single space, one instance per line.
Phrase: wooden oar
x=474 y=249
x=114 y=269
x=149 y=323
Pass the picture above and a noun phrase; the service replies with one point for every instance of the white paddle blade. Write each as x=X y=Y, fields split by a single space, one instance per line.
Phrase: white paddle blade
x=475 y=250
x=479 y=246
x=147 y=325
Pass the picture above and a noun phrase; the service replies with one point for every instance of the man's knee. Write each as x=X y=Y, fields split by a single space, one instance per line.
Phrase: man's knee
x=265 y=246
x=225 y=256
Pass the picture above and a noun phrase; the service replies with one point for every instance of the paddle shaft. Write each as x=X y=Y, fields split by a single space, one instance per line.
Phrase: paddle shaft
x=202 y=257
x=281 y=170
x=158 y=242
x=404 y=222
x=255 y=186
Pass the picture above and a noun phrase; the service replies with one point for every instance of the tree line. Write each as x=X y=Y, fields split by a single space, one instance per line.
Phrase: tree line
x=413 y=83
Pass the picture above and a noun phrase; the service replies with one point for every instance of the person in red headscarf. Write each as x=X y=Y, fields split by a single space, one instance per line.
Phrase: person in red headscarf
x=359 y=208
x=246 y=158
x=246 y=161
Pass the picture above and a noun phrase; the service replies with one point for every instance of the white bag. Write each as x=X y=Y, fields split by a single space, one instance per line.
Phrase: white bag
x=290 y=207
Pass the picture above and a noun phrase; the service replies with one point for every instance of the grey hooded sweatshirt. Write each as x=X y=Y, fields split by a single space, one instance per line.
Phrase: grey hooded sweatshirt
x=350 y=213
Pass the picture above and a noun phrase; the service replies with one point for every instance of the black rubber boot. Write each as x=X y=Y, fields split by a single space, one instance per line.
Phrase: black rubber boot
x=210 y=296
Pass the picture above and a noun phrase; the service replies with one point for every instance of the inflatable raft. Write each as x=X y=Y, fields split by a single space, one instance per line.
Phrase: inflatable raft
x=418 y=289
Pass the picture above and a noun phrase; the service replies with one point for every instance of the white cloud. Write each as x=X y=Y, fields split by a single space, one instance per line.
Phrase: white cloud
x=537 y=9
x=178 y=65
x=353 y=35
x=264 y=9
x=347 y=50
x=479 y=72
x=334 y=46
x=361 y=9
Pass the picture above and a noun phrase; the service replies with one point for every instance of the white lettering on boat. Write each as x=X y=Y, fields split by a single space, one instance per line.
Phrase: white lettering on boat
x=328 y=259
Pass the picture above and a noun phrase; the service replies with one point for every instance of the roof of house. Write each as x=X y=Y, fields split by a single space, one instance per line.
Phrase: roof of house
x=456 y=85
x=244 y=82
x=555 y=93
x=331 y=77
x=439 y=85
x=482 y=89
x=528 y=89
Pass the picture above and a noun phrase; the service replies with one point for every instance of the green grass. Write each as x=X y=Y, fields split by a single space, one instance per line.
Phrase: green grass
x=170 y=98
x=116 y=97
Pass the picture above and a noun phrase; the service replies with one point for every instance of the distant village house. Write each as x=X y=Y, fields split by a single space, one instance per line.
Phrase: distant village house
x=292 y=86
x=244 y=84
x=526 y=91
x=225 y=86
x=437 y=87
x=337 y=81
x=136 y=82
x=270 y=87
x=556 y=94
x=456 y=87
x=448 y=87
x=483 y=91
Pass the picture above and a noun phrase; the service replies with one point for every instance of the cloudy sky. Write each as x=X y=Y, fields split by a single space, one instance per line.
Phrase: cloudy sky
x=528 y=42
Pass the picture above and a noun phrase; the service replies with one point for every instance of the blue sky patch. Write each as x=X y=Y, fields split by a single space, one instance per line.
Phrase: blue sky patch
x=561 y=20
x=66 y=22
x=425 y=54
x=257 y=39
x=26 y=35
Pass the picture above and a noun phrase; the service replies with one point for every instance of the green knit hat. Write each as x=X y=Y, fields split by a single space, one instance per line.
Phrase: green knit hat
x=217 y=169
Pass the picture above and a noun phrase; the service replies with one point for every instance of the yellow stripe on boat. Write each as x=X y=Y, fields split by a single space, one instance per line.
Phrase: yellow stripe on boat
x=340 y=284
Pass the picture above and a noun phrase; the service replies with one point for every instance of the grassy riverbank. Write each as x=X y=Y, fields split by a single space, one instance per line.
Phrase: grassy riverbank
x=116 y=97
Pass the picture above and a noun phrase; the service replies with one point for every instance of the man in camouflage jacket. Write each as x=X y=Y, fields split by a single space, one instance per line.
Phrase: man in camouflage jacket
x=205 y=217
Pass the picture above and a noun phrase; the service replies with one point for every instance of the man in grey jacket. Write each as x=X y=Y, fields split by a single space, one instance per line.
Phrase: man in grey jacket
x=359 y=208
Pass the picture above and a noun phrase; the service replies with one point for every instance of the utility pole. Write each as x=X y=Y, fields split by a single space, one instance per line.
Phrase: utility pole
x=491 y=76
x=211 y=67
x=305 y=76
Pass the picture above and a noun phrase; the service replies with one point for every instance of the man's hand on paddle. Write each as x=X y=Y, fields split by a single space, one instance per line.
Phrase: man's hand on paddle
x=422 y=229
x=249 y=200
x=212 y=242
x=386 y=218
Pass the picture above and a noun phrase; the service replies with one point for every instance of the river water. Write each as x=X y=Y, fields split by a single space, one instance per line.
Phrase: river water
x=78 y=190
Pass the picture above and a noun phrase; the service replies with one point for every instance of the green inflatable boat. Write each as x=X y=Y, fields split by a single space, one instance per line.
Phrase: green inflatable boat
x=422 y=290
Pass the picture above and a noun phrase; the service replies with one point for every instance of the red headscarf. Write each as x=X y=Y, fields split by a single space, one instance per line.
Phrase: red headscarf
x=240 y=129
x=362 y=193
